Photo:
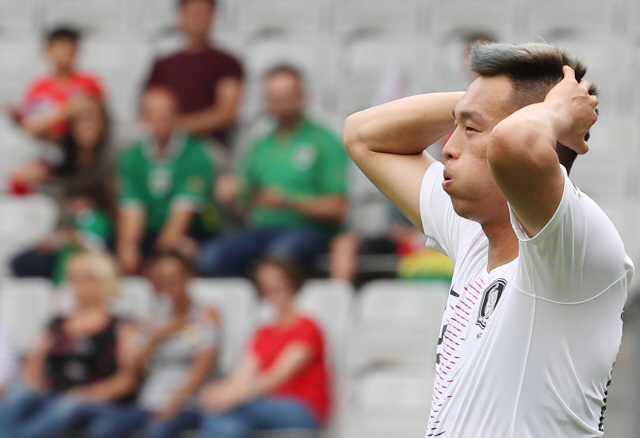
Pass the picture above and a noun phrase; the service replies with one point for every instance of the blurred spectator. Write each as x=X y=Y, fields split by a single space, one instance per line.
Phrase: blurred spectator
x=51 y=100
x=80 y=364
x=206 y=80
x=87 y=155
x=8 y=357
x=165 y=186
x=84 y=226
x=282 y=381
x=292 y=183
x=178 y=355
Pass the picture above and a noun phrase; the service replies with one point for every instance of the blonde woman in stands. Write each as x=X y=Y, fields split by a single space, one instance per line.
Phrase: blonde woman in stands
x=80 y=364
x=282 y=381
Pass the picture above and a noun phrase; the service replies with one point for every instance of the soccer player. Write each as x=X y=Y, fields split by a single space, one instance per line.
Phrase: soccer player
x=533 y=322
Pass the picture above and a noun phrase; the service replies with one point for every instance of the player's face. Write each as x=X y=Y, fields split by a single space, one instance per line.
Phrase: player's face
x=284 y=96
x=196 y=17
x=467 y=177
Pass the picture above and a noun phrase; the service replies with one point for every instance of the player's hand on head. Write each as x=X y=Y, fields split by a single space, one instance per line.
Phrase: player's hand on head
x=577 y=110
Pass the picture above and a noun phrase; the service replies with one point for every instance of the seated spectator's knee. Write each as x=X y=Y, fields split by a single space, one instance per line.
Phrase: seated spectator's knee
x=224 y=426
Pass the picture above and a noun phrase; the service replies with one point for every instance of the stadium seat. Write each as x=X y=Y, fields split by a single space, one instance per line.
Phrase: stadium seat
x=547 y=17
x=330 y=302
x=390 y=403
x=258 y=17
x=311 y=55
x=20 y=62
x=122 y=66
x=24 y=303
x=135 y=300
x=23 y=220
x=18 y=16
x=110 y=17
x=396 y=325
x=352 y=17
x=377 y=68
x=235 y=299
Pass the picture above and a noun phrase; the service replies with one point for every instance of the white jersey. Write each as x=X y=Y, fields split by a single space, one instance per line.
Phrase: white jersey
x=527 y=349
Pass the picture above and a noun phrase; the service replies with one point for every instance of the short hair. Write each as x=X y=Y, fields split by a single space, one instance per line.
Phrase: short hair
x=185 y=262
x=181 y=3
x=294 y=273
x=63 y=33
x=161 y=89
x=533 y=69
x=285 y=68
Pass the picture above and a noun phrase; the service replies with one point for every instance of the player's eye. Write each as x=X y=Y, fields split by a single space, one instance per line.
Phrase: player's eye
x=470 y=129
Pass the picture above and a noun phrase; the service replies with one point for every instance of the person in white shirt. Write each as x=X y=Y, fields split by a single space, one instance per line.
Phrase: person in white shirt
x=533 y=322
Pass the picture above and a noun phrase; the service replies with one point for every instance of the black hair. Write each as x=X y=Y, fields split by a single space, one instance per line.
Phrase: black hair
x=63 y=33
x=187 y=264
x=181 y=3
x=533 y=69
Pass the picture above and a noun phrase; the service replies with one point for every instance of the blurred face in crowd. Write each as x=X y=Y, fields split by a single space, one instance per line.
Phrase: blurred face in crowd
x=196 y=18
x=468 y=180
x=159 y=113
x=88 y=124
x=62 y=52
x=275 y=286
x=169 y=277
x=284 y=97
x=86 y=286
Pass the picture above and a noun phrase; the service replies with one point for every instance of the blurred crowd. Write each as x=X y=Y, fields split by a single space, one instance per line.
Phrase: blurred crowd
x=180 y=201
x=91 y=370
x=184 y=185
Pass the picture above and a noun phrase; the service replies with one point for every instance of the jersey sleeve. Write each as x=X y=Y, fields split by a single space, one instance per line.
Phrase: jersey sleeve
x=576 y=256
x=333 y=173
x=440 y=222
x=130 y=192
x=195 y=180
x=231 y=68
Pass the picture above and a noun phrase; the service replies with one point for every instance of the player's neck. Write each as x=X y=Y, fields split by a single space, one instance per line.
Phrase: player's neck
x=503 y=244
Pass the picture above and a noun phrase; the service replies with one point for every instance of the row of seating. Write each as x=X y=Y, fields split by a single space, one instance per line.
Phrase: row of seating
x=254 y=16
x=381 y=342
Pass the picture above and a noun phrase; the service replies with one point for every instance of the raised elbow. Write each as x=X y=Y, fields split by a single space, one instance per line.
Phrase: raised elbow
x=353 y=133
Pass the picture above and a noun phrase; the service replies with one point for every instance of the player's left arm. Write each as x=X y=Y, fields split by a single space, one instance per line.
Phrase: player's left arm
x=522 y=155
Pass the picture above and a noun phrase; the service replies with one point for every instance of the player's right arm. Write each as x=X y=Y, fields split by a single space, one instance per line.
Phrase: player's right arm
x=388 y=144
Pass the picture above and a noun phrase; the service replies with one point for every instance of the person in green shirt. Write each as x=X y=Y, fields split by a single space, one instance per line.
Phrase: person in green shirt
x=292 y=187
x=165 y=183
x=84 y=226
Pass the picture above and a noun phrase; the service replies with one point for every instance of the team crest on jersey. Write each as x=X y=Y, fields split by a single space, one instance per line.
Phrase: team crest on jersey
x=489 y=302
x=304 y=157
x=160 y=181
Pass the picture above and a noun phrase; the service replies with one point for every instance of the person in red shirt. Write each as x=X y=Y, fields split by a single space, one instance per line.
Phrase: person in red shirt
x=50 y=100
x=282 y=382
x=206 y=80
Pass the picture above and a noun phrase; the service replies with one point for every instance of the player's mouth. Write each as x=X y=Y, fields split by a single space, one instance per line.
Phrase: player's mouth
x=447 y=179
